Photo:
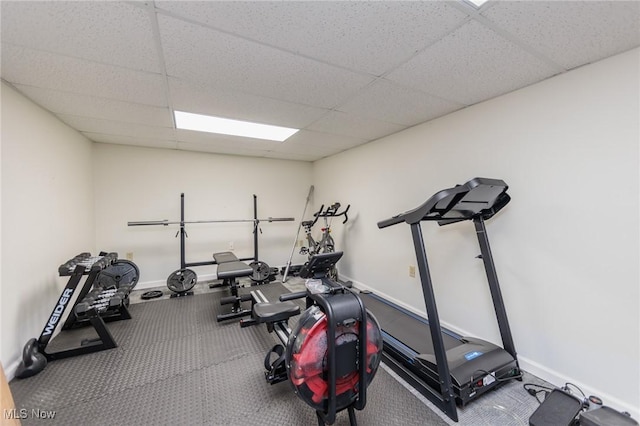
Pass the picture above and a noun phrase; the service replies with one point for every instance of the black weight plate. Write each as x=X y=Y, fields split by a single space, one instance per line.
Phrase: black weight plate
x=153 y=294
x=261 y=271
x=182 y=280
x=119 y=273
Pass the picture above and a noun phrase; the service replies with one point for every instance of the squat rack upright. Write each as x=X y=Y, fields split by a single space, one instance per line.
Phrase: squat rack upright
x=182 y=232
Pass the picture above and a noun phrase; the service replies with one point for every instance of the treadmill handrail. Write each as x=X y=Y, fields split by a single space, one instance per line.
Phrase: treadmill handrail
x=430 y=210
x=417 y=214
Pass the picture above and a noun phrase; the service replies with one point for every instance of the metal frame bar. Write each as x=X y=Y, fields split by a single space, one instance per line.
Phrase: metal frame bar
x=183 y=236
x=445 y=398
x=183 y=232
x=494 y=287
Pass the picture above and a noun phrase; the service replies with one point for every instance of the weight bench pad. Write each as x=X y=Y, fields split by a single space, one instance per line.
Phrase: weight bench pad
x=274 y=312
x=224 y=257
x=234 y=270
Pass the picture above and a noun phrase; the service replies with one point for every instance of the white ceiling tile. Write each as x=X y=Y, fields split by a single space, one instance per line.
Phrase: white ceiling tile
x=104 y=31
x=471 y=64
x=91 y=106
x=308 y=138
x=218 y=149
x=386 y=101
x=308 y=149
x=43 y=69
x=221 y=102
x=126 y=140
x=228 y=141
x=293 y=157
x=196 y=53
x=571 y=33
x=108 y=127
x=348 y=124
x=370 y=37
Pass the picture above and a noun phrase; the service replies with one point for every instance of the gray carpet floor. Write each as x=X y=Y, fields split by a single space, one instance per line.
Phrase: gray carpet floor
x=175 y=364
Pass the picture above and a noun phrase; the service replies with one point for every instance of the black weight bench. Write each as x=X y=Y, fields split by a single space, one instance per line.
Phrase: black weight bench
x=229 y=270
x=225 y=257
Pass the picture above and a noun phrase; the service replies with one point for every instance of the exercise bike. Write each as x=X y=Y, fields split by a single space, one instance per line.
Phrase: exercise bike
x=335 y=348
x=325 y=244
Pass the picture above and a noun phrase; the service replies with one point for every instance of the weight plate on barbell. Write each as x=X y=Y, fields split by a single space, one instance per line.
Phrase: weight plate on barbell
x=261 y=271
x=182 y=280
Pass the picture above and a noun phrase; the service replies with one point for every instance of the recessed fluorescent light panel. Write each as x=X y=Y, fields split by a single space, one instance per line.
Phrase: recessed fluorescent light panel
x=477 y=3
x=225 y=126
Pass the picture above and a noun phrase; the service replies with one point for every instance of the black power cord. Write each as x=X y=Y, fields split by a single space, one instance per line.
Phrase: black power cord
x=536 y=390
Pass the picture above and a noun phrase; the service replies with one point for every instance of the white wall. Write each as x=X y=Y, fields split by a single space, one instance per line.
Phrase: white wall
x=47 y=216
x=141 y=184
x=566 y=247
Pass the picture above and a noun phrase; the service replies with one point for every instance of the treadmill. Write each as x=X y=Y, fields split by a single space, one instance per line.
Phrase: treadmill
x=445 y=367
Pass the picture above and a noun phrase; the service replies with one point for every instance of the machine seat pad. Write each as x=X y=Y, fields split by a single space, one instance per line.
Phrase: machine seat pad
x=224 y=257
x=274 y=312
x=234 y=270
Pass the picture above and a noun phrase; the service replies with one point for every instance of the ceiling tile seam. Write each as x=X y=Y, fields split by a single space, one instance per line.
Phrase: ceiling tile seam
x=138 y=4
x=424 y=92
x=261 y=43
x=423 y=48
x=88 y=132
x=337 y=106
x=234 y=89
x=127 y=145
x=85 y=95
x=155 y=28
x=10 y=84
x=242 y=153
x=557 y=68
x=93 y=61
x=321 y=117
x=477 y=15
x=107 y=120
x=465 y=6
x=322 y=133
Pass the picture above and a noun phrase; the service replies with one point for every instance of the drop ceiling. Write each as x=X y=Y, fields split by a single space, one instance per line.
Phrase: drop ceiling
x=345 y=73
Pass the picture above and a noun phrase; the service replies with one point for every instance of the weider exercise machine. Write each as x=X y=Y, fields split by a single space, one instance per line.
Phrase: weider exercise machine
x=182 y=280
x=442 y=365
x=333 y=350
x=112 y=280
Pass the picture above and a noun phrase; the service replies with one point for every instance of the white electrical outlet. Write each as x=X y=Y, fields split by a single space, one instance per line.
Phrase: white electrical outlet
x=129 y=255
x=231 y=245
x=412 y=271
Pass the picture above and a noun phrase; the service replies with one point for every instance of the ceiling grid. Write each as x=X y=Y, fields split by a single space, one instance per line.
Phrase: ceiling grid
x=345 y=73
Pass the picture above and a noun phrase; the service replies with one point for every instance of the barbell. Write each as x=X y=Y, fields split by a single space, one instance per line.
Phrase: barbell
x=177 y=222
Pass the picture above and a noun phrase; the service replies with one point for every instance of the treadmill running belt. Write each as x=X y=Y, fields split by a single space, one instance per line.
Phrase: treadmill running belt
x=411 y=331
